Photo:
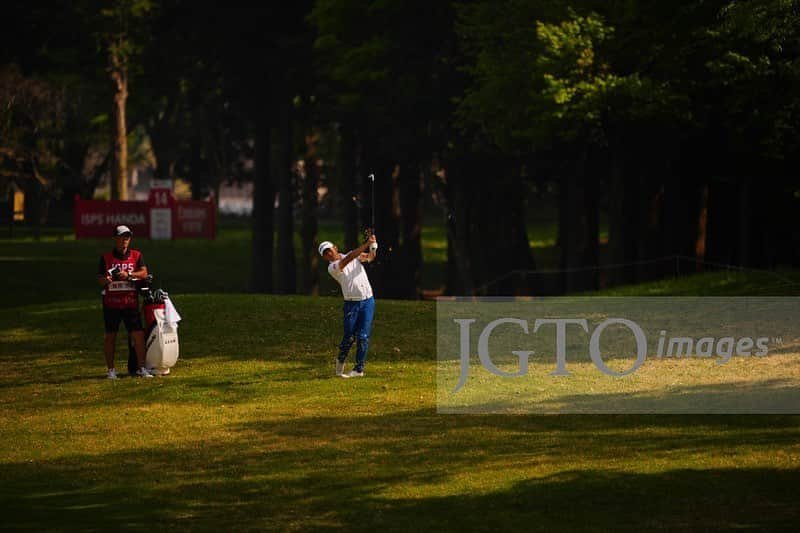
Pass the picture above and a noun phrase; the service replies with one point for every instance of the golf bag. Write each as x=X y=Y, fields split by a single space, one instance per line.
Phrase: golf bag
x=160 y=333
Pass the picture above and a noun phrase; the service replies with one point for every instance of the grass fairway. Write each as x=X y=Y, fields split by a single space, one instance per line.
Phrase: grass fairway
x=252 y=432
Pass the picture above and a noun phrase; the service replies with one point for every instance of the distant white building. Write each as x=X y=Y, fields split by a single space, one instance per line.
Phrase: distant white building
x=236 y=198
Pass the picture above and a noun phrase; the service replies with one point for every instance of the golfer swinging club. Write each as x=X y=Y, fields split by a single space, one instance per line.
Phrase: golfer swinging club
x=359 y=305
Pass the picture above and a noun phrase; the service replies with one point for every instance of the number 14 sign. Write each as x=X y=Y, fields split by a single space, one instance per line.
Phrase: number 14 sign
x=161 y=203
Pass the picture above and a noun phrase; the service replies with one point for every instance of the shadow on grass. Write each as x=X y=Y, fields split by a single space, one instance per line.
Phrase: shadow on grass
x=610 y=501
x=559 y=436
x=419 y=471
x=762 y=396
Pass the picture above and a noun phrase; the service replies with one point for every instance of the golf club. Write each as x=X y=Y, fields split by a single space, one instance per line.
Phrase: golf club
x=374 y=246
x=372 y=212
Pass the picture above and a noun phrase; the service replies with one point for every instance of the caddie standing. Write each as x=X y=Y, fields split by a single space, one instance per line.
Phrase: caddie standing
x=116 y=272
x=359 y=303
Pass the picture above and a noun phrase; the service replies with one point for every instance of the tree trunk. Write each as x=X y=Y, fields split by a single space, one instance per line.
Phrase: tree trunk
x=411 y=196
x=198 y=167
x=573 y=219
x=263 y=208
x=458 y=281
x=287 y=265
x=624 y=216
x=163 y=140
x=753 y=227
x=579 y=247
x=591 y=207
x=387 y=206
x=164 y=166
x=310 y=220
x=388 y=268
x=498 y=239
x=481 y=225
x=119 y=134
x=702 y=229
x=720 y=241
x=779 y=229
x=650 y=213
x=459 y=222
x=519 y=247
x=674 y=228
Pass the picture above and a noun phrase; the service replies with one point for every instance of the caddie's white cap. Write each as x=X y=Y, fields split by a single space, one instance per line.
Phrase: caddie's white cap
x=122 y=230
x=324 y=246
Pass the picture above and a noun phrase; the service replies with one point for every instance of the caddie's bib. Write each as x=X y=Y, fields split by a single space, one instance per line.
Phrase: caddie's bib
x=121 y=294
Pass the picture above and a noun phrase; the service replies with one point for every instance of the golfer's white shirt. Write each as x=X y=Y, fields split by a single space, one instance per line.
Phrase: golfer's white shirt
x=354 y=281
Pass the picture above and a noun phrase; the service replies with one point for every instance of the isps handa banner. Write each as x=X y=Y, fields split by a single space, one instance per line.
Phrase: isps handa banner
x=97 y=218
x=176 y=219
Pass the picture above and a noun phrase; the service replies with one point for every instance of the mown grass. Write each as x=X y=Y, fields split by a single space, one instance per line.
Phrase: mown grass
x=57 y=267
x=719 y=283
x=252 y=432
x=184 y=266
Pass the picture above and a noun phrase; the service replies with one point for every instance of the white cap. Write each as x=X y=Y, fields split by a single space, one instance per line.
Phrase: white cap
x=122 y=230
x=324 y=246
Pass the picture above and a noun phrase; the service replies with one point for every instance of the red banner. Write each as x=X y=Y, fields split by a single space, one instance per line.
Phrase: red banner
x=98 y=218
x=194 y=219
x=191 y=219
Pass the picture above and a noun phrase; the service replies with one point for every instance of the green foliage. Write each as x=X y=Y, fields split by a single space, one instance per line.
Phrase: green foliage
x=354 y=49
x=576 y=83
x=762 y=51
x=384 y=70
x=770 y=22
x=541 y=73
x=121 y=29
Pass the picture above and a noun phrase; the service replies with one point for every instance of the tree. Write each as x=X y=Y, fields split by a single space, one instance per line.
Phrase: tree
x=603 y=96
x=30 y=114
x=310 y=204
x=57 y=51
x=122 y=28
x=389 y=90
x=265 y=91
x=537 y=90
x=759 y=45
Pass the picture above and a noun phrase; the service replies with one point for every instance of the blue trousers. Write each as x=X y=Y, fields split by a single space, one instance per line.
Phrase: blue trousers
x=357 y=326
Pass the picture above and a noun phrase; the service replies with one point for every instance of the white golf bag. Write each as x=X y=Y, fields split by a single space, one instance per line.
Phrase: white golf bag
x=161 y=343
x=160 y=333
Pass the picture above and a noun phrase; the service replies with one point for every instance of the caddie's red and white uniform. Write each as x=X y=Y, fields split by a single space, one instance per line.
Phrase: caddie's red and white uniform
x=120 y=294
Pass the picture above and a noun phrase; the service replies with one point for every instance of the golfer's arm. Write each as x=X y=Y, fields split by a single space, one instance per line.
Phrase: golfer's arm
x=352 y=255
x=366 y=257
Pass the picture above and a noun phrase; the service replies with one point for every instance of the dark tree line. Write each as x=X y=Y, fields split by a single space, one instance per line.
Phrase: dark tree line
x=675 y=121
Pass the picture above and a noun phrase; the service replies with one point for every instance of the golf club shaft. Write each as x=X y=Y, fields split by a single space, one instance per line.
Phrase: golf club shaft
x=374 y=246
x=372 y=209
